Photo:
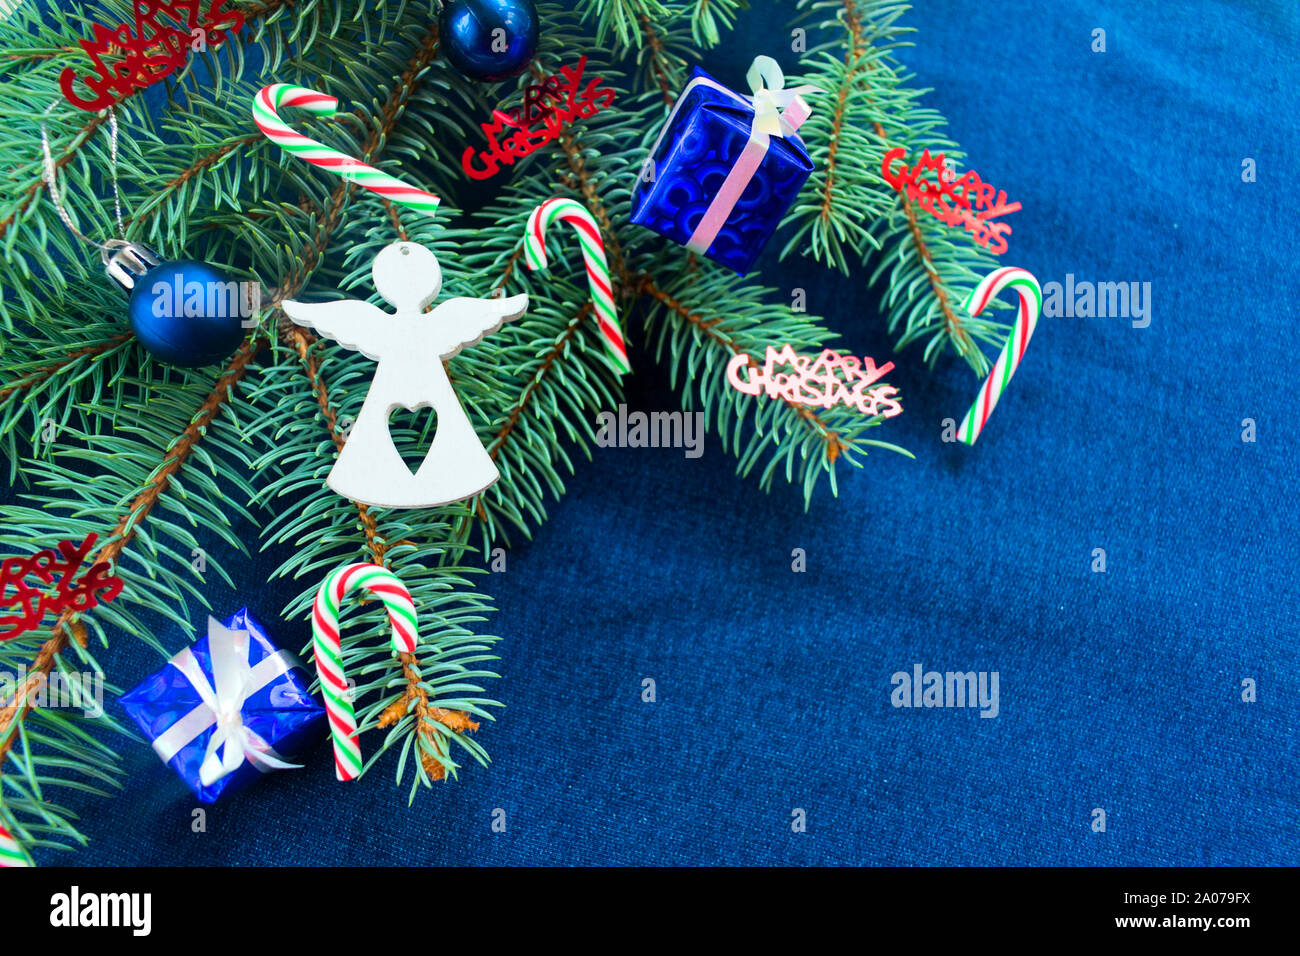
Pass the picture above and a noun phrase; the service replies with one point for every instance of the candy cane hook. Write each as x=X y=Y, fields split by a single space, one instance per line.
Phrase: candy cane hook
x=329 y=656
x=593 y=254
x=1031 y=306
x=266 y=106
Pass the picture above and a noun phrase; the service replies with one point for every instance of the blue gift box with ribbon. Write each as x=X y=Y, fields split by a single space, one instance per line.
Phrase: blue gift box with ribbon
x=726 y=167
x=227 y=709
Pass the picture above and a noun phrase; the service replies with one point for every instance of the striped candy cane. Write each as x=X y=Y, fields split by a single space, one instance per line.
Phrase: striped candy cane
x=266 y=107
x=1031 y=305
x=10 y=854
x=329 y=656
x=593 y=254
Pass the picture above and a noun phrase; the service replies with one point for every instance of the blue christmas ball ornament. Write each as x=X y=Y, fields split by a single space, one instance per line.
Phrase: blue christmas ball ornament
x=183 y=312
x=489 y=39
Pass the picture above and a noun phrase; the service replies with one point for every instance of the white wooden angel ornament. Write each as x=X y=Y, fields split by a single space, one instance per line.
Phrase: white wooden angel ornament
x=409 y=345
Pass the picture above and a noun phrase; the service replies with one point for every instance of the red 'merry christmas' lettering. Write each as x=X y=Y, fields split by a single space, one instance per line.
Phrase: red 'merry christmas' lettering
x=559 y=99
x=127 y=60
x=964 y=200
x=51 y=568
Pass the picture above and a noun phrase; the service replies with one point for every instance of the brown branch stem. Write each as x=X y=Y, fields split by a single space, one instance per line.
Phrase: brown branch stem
x=46 y=372
x=854 y=25
x=203 y=162
x=552 y=354
x=427 y=715
x=656 y=45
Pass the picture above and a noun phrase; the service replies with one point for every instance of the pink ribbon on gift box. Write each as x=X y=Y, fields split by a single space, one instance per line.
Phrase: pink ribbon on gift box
x=777 y=112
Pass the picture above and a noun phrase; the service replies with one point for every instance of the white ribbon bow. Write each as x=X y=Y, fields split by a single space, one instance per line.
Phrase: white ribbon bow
x=234 y=680
x=772 y=101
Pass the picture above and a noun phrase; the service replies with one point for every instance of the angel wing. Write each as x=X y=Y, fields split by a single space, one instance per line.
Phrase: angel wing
x=461 y=322
x=353 y=323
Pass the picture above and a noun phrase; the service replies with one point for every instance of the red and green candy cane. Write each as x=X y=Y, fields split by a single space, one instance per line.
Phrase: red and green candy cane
x=1030 y=307
x=329 y=657
x=11 y=853
x=593 y=256
x=266 y=114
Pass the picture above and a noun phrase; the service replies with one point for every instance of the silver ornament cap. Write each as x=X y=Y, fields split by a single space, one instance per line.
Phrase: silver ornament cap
x=125 y=261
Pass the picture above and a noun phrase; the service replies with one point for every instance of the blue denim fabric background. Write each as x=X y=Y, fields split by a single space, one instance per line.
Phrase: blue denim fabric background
x=1118 y=690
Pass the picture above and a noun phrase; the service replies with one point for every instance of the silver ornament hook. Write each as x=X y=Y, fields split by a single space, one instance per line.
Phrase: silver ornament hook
x=51 y=174
x=125 y=261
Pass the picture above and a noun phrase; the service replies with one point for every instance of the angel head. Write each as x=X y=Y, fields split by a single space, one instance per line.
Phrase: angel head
x=407 y=275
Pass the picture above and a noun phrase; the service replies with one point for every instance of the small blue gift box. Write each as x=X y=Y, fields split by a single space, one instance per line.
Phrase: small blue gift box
x=726 y=167
x=224 y=711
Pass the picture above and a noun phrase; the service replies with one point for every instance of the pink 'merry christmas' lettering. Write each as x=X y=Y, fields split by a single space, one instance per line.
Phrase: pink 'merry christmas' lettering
x=820 y=381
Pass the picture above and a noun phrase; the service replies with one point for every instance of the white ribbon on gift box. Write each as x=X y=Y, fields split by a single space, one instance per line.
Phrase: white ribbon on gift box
x=234 y=680
x=777 y=112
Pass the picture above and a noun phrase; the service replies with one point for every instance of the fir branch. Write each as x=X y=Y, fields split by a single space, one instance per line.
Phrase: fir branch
x=832 y=446
x=429 y=718
x=42 y=374
x=848 y=212
x=131 y=521
x=251 y=12
x=433 y=726
x=953 y=326
x=665 y=68
x=710 y=17
x=705 y=320
x=546 y=361
x=34 y=187
x=209 y=159
x=556 y=351
x=63 y=740
x=617 y=20
x=419 y=546
x=593 y=163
